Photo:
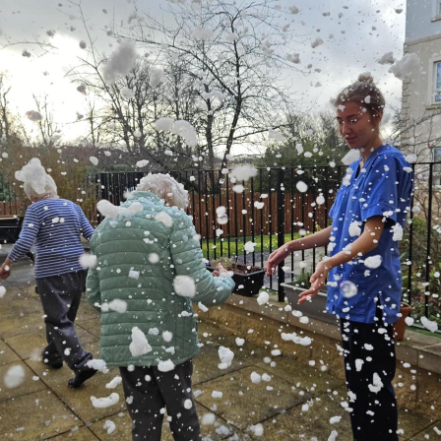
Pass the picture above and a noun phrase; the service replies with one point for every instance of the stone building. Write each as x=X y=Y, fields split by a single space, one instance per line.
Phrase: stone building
x=421 y=106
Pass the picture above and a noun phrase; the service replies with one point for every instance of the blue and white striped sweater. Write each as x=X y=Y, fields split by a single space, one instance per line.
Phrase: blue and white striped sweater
x=54 y=226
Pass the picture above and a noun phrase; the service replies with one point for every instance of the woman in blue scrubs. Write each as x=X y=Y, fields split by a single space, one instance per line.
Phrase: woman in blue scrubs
x=363 y=268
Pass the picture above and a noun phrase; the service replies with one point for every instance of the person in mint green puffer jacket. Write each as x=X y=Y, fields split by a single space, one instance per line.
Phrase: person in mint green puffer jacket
x=149 y=270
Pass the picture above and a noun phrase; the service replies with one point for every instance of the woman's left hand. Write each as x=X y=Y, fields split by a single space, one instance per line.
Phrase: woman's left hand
x=317 y=280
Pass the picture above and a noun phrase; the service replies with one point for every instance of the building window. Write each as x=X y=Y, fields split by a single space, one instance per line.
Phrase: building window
x=437 y=83
x=437 y=165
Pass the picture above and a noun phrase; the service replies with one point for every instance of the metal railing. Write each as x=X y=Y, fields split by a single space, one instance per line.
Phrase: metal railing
x=285 y=213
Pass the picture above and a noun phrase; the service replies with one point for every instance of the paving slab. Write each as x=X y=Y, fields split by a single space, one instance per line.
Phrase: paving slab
x=300 y=424
x=7 y=355
x=430 y=358
x=412 y=423
x=206 y=365
x=48 y=409
x=20 y=306
x=77 y=434
x=79 y=399
x=306 y=378
x=431 y=433
x=31 y=345
x=92 y=326
x=242 y=403
x=123 y=425
x=215 y=432
x=22 y=274
x=22 y=324
x=28 y=385
x=207 y=330
x=36 y=416
x=241 y=437
x=87 y=311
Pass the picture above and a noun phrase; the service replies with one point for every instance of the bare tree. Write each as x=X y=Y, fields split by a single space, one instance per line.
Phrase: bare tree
x=46 y=125
x=5 y=116
x=129 y=108
x=220 y=60
x=11 y=128
x=418 y=136
x=93 y=119
x=233 y=51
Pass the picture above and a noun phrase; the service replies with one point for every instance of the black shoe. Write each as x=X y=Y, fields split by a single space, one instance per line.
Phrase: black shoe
x=80 y=378
x=58 y=365
x=55 y=365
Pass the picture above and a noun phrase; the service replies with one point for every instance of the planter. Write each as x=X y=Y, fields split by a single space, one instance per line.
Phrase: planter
x=247 y=284
x=315 y=309
x=400 y=325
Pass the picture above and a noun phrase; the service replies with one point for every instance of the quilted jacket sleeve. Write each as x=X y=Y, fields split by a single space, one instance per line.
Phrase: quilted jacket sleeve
x=93 y=287
x=93 y=294
x=188 y=261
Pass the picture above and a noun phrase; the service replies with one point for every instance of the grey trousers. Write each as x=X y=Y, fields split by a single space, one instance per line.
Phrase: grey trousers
x=60 y=297
x=149 y=392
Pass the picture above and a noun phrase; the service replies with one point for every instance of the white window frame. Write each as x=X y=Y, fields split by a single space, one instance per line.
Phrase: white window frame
x=437 y=166
x=436 y=9
x=432 y=77
x=436 y=90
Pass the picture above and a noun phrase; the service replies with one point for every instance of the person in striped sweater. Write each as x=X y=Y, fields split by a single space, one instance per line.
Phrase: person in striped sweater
x=54 y=226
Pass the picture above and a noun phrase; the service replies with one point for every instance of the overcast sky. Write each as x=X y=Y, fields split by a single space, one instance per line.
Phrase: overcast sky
x=353 y=43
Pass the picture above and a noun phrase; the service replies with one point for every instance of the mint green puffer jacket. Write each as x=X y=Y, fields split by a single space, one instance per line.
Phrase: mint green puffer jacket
x=139 y=255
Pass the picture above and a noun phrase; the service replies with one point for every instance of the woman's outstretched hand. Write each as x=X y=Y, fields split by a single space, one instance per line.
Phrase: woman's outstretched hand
x=5 y=270
x=317 y=280
x=276 y=257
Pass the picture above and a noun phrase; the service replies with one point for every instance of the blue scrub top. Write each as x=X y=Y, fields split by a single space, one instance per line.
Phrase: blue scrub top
x=383 y=187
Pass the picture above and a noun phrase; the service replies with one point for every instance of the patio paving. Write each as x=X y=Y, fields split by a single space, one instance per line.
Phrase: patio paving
x=44 y=408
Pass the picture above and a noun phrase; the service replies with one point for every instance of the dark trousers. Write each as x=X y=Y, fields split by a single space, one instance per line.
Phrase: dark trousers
x=374 y=414
x=60 y=297
x=149 y=392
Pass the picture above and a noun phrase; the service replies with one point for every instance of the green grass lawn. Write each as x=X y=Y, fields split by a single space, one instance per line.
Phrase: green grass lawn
x=425 y=332
x=260 y=245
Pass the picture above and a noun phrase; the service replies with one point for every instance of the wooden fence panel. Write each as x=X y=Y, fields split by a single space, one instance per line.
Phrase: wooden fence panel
x=297 y=209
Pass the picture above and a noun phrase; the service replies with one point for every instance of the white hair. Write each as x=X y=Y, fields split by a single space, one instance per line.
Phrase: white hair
x=50 y=189
x=37 y=184
x=165 y=187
